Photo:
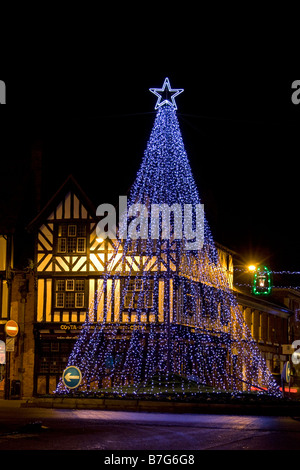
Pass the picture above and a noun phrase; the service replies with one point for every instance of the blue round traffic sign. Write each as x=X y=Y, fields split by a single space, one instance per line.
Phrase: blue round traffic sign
x=71 y=377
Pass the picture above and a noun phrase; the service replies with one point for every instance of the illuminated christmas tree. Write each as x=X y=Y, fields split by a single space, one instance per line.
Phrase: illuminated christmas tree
x=165 y=318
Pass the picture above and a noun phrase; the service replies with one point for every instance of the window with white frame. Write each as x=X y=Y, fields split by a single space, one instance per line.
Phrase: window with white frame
x=71 y=238
x=70 y=293
x=138 y=293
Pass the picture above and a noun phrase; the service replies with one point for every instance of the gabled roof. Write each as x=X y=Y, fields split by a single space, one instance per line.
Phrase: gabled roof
x=70 y=185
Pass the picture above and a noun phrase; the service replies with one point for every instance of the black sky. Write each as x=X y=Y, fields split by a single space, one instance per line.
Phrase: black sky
x=94 y=116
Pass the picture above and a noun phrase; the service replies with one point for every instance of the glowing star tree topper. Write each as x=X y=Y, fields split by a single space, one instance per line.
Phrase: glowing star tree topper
x=163 y=94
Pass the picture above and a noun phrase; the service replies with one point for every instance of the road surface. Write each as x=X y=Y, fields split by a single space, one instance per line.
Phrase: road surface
x=65 y=429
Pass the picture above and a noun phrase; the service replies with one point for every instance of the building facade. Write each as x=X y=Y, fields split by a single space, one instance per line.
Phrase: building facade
x=69 y=269
x=269 y=326
x=6 y=266
x=50 y=301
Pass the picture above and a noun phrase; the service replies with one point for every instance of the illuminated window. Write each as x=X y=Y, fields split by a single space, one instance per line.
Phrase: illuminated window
x=139 y=293
x=72 y=230
x=138 y=284
x=70 y=284
x=60 y=297
x=71 y=238
x=79 y=299
x=81 y=245
x=70 y=293
x=62 y=245
x=69 y=300
x=71 y=245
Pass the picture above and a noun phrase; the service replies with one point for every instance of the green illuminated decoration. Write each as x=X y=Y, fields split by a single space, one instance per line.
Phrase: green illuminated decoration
x=262 y=281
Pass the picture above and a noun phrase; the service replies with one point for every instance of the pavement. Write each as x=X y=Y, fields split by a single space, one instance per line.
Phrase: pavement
x=12 y=403
x=235 y=407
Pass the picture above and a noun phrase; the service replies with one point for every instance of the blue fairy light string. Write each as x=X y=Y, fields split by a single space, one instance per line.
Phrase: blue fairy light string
x=166 y=321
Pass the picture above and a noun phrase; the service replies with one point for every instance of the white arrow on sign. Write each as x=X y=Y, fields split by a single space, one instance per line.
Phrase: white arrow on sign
x=69 y=377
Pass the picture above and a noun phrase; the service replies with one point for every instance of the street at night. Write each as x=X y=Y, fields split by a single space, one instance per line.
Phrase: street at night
x=66 y=429
x=149 y=253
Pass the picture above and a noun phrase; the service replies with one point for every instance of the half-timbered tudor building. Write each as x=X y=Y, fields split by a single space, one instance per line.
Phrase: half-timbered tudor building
x=68 y=260
x=69 y=268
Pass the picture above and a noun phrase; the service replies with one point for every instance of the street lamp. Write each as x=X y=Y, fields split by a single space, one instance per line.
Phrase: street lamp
x=252 y=268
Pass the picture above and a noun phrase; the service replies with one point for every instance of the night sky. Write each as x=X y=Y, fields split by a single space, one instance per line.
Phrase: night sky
x=94 y=116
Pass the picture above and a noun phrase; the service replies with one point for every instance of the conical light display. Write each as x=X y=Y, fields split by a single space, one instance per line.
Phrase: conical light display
x=165 y=318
